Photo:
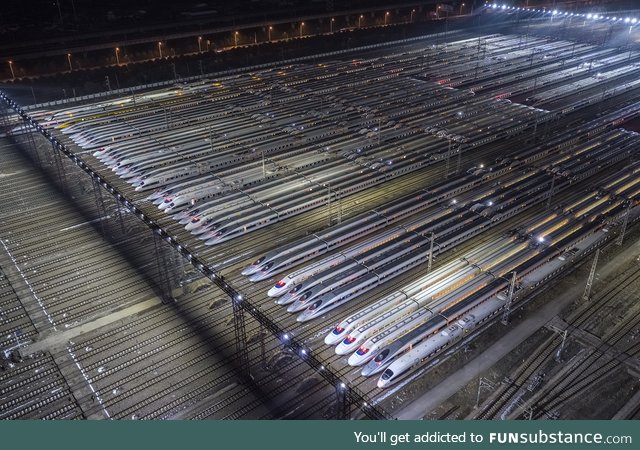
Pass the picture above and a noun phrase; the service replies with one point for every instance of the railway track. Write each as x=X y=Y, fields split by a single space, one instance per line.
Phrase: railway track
x=36 y=389
x=158 y=364
x=13 y=317
x=594 y=368
x=175 y=403
x=66 y=286
x=575 y=380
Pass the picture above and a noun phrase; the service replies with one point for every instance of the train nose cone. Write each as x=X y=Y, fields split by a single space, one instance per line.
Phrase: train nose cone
x=248 y=270
x=336 y=335
x=297 y=306
x=284 y=300
x=343 y=349
x=260 y=275
x=197 y=231
x=329 y=339
x=191 y=225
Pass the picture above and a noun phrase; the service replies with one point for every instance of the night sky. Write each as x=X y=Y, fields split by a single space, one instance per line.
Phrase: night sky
x=94 y=15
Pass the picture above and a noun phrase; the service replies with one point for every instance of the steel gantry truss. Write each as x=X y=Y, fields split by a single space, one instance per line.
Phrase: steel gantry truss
x=592 y=274
x=347 y=395
x=507 y=306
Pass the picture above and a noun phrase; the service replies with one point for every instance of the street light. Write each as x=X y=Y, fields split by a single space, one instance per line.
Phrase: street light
x=301 y=25
x=628 y=36
x=461 y=6
x=331 y=25
x=438 y=12
x=235 y=38
x=199 y=44
x=360 y=20
x=160 y=49
x=117 y=56
x=69 y=59
x=13 y=75
x=412 y=12
x=385 y=17
x=270 y=28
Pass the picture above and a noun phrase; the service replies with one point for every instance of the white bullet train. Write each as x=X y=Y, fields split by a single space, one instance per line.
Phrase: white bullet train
x=395 y=340
x=370 y=255
x=285 y=287
x=433 y=287
x=348 y=271
x=439 y=342
x=463 y=231
x=359 y=226
x=571 y=244
x=370 y=313
x=414 y=329
x=348 y=292
x=534 y=186
x=349 y=230
x=307 y=277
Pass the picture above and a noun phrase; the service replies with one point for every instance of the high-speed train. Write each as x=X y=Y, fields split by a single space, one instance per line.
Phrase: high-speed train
x=369 y=262
x=413 y=234
x=285 y=287
x=323 y=270
x=330 y=300
x=337 y=297
x=551 y=229
x=134 y=139
x=359 y=226
x=431 y=221
x=342 y=331
x=439 y=342
x=395 y=340
x=433 y=288
x=533 y=187
x=553 y=259
x=574 y=242
x=349 y=184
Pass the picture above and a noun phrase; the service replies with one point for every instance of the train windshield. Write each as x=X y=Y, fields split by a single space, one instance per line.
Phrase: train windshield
x=387 y=374
x=296 y=289
x=259 y=260
x=382 y=356
x=315 y=305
